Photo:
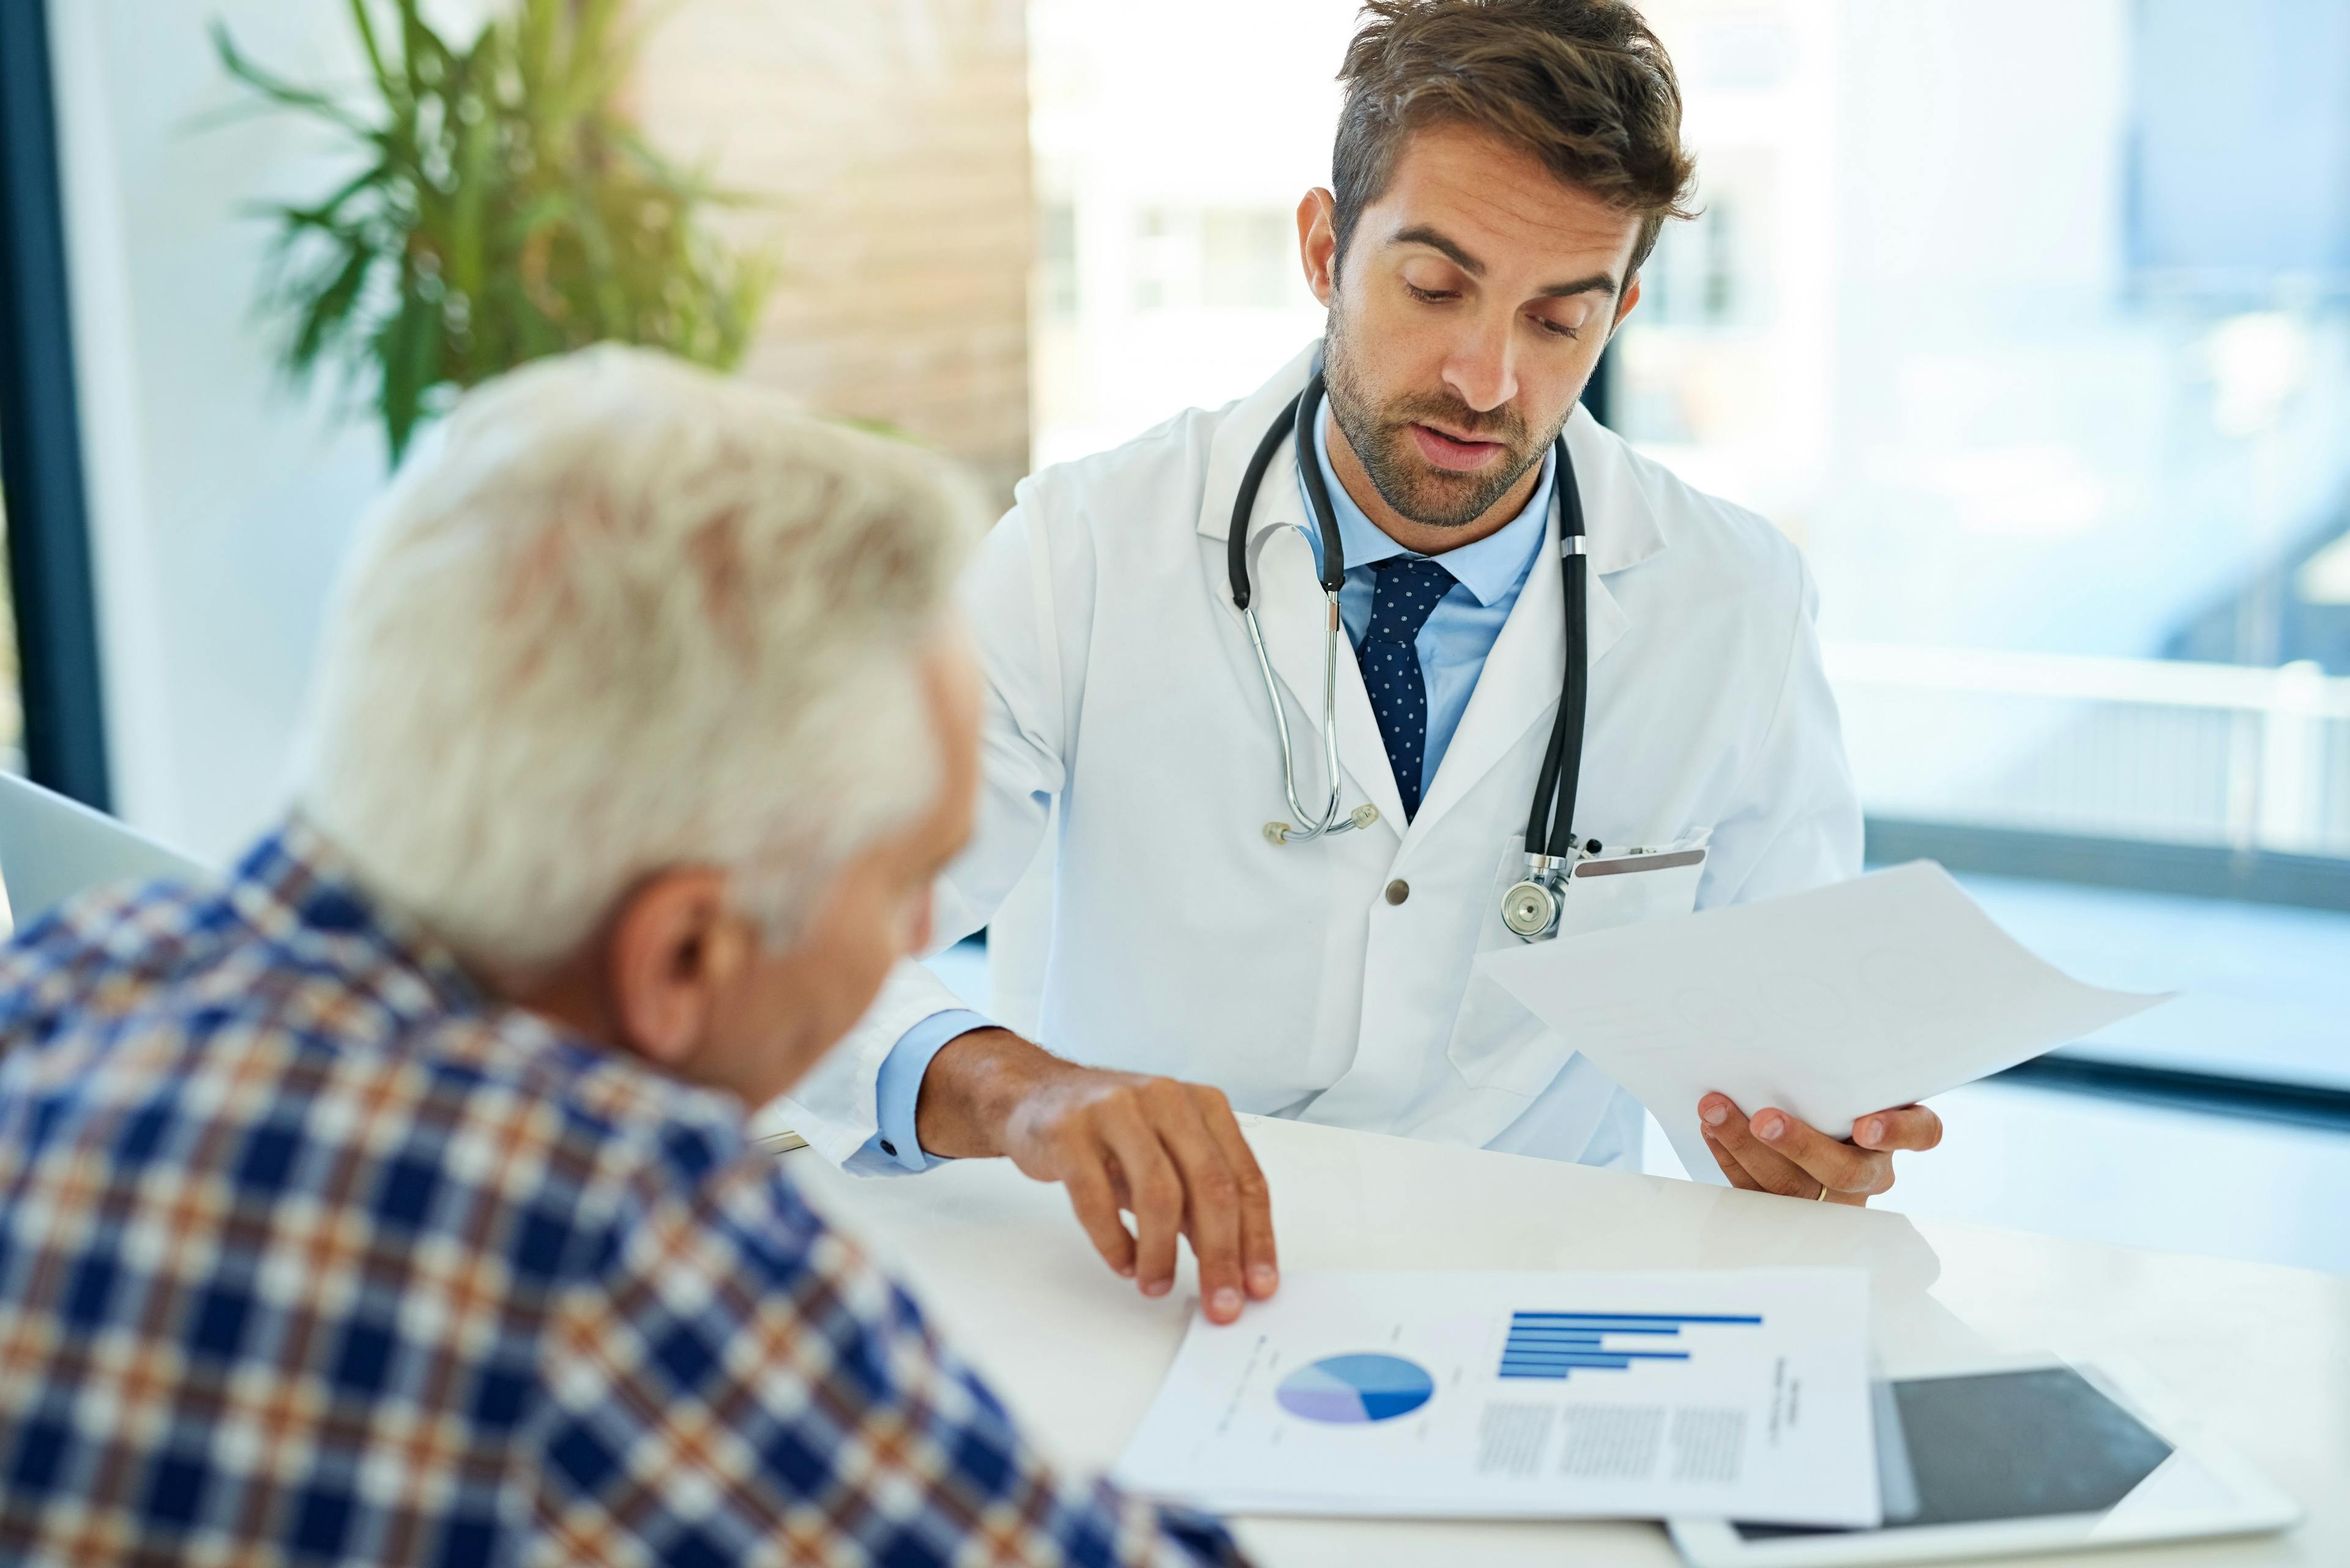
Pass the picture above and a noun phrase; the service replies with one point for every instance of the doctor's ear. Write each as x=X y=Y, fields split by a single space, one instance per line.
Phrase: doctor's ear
x=1318 y=242
x=1624 y=306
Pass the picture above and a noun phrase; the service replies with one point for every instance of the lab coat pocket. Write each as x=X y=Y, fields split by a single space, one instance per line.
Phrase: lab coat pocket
x=1496 y=1042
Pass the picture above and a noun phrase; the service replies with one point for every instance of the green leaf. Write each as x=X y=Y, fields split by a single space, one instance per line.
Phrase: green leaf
x=329 y=308
x=534 y=46
x=386 y=83
x=476 y=143
x=281 y=93
x=419 y=47
x=554 y=207
x=329 y=210
x=405 y=349
x=507 y=208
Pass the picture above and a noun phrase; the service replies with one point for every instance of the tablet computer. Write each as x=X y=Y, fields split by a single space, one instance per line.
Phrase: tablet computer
x=2001 y=1461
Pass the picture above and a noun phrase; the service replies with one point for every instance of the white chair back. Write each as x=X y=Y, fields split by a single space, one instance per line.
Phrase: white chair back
x=52 y=849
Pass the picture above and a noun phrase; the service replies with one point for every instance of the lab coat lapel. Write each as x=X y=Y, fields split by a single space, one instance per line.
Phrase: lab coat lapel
x=1237 y=430
x=1519 y=686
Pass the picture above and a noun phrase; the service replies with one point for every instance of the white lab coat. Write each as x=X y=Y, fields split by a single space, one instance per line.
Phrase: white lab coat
x=1120 y=685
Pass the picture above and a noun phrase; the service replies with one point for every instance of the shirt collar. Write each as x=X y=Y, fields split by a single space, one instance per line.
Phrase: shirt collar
x=1493 y=568
x=296 y=888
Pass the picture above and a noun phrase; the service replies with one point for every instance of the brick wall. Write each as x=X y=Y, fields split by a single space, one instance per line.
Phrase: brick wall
x=892 y=137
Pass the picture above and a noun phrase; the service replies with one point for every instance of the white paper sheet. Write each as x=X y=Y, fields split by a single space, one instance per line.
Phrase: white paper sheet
x=1828 y=1004
x=1377 y=1394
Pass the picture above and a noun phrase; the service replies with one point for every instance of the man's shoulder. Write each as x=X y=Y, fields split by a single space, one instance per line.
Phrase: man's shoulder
x=1146 y=494
x=167 y=998
x=653 y=1153
x=1175 y=447
x=1716 y=551
x=1700 y=524
x=627 y=1125
x=109 y=952
x=139 y=924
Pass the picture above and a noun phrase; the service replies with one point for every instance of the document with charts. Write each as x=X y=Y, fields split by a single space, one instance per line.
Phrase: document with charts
x=1418 y=1394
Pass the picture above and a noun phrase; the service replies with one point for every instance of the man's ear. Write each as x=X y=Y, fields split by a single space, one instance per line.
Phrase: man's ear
x=1318 y=242
x=673 y=949
x=1624 y=306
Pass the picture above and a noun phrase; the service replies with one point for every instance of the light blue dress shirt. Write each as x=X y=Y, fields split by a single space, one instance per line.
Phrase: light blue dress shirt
x=1452 y=646
x=1460 y=632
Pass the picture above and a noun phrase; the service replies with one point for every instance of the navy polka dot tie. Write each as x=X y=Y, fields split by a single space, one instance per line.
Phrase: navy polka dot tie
x=1408 y=588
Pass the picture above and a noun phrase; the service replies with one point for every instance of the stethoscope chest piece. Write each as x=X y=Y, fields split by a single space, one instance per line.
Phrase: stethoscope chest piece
x=1530 y=910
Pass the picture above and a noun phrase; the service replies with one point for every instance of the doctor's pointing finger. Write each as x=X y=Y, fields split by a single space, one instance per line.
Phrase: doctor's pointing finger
x=1296 y=706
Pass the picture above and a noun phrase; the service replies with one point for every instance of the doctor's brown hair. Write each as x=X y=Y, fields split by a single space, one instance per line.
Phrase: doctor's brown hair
x=1582 y=85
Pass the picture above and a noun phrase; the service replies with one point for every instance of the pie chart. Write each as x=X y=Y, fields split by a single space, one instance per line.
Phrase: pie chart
x=1355 y=1390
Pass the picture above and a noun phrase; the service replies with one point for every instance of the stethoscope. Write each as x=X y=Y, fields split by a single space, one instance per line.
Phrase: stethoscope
x=1531 y=908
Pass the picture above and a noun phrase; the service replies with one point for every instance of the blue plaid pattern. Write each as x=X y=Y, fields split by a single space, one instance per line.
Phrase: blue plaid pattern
x=311 y=1252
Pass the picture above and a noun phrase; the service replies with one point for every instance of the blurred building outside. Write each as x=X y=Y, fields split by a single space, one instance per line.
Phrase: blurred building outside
x=1170 y=163
x=1946 y=319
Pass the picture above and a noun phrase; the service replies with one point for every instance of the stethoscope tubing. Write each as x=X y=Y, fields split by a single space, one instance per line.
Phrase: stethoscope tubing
x=1550 y=824
x=1329 y=821
x=1551 y=832
x=1309 y=826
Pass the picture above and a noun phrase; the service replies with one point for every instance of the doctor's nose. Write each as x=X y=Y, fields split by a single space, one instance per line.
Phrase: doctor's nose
x=1481 y=371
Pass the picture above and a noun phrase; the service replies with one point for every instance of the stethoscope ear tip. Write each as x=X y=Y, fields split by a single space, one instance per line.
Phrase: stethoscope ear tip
x=1362 y=815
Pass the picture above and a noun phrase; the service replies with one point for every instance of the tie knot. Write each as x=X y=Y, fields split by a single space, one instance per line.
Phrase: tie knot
x=1405 y=596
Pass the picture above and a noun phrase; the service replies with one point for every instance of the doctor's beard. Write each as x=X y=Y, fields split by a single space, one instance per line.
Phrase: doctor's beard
x=1381 y=438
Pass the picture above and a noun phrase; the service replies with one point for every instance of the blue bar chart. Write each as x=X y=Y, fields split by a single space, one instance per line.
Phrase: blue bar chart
x=1554 y=1344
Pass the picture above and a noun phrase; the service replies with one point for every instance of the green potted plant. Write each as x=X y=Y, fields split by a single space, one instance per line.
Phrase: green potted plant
x=504 y=208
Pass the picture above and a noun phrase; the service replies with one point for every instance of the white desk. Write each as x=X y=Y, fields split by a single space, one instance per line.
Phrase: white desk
x=2262 y=1355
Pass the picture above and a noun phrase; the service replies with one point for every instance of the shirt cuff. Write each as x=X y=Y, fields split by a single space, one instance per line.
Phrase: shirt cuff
x=898 y=1089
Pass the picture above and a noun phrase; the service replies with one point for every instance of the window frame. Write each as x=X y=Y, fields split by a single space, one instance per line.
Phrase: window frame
x=49 y=564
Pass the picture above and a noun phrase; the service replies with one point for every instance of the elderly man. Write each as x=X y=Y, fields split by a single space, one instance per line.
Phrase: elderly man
x=392 y=1202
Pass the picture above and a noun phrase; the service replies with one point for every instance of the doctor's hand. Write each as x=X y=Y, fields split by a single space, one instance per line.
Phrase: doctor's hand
x=1169 y=1153
x=1773 y=1152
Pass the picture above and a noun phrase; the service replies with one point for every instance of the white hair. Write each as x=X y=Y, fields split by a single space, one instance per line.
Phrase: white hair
x=622 y=615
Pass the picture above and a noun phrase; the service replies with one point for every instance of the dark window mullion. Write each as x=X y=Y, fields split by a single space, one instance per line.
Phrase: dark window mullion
x=40 y=432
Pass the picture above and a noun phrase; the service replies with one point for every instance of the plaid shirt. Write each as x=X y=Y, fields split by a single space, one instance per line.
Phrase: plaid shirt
x=311 y=1252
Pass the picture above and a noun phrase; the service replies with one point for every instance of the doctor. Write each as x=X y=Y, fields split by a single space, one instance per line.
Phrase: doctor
x=1501 y=170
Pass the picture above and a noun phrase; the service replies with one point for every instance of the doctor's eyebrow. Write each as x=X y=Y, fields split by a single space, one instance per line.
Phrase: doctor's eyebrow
x=1421 y=234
